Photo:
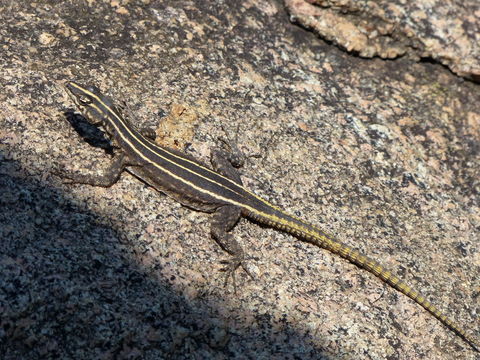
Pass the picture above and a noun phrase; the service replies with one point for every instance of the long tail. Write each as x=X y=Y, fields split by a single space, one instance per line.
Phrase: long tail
x=277 y=219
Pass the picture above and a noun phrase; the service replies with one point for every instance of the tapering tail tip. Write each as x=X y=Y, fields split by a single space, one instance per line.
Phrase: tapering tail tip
x=475 y=346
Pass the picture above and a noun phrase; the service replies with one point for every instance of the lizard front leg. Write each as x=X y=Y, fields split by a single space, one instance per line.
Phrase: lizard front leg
x=109 y=177
x=225 y=162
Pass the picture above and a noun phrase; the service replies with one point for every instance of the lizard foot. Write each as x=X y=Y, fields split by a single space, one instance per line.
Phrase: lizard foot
x=231 y=266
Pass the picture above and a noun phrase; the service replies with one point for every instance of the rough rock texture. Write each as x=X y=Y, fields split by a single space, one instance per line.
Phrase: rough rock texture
x=383 y=154
x=445 y=31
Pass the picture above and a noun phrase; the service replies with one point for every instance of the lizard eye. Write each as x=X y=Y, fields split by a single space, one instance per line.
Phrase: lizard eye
x=84 y=99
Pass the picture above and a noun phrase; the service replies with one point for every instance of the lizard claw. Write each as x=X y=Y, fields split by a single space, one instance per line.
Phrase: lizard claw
x=231 y=266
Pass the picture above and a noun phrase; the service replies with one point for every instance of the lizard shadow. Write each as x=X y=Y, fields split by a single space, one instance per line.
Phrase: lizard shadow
x=90 y=133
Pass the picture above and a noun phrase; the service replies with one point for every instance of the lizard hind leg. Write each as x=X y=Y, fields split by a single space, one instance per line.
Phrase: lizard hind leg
x=223 y=221
x=226 y=216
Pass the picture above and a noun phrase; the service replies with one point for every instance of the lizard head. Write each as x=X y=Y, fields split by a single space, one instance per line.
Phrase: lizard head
x=96 y=107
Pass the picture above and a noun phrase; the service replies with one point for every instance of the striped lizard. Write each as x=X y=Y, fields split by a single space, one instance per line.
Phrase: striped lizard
x=219 y=191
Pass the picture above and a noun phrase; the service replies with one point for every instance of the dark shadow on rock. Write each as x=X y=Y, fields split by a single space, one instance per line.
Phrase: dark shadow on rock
x=69 y=290
x=91 y=134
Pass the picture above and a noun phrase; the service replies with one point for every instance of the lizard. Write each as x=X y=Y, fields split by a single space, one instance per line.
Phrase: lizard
x=219 y=191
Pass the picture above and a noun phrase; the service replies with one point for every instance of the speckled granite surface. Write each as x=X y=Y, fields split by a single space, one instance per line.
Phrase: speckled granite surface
x=446 y=31
x=384 y=154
